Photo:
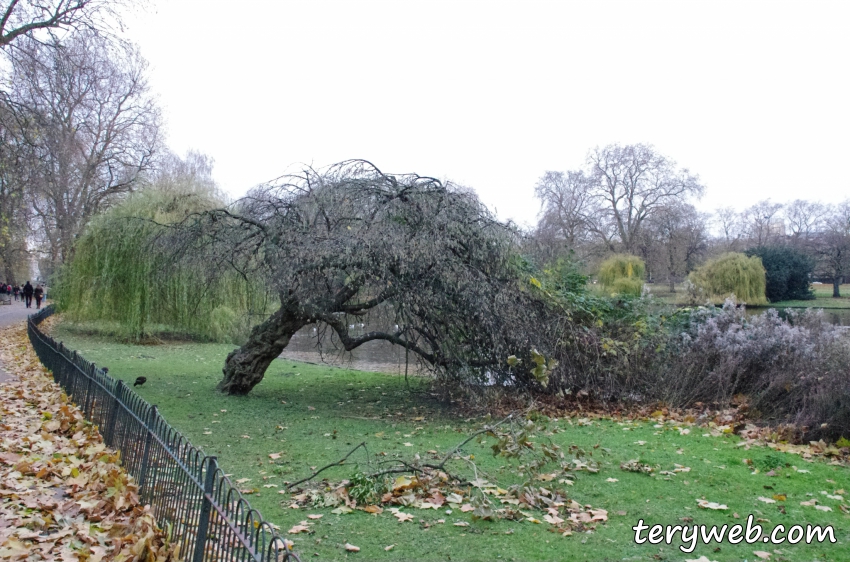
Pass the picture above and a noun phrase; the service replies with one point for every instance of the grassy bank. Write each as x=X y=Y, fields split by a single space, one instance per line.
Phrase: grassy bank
x=823 y=297
x=312 y=415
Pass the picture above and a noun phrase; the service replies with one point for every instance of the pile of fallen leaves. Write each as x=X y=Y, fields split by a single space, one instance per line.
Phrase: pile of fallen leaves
x=480 y=499
x=424 y=484
x=63 y=493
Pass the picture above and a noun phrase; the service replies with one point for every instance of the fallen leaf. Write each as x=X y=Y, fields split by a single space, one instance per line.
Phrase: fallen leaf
x=762 y=554
x=461 y=524
x=389 y=548
x=402 y=517
x=454 y=498
x=612 y=480
x=553 y=519
x=351 y=548
x=316 y=516
x=705 y=504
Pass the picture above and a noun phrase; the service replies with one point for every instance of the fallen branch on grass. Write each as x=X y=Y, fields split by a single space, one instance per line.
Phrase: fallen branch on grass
x=324 y=468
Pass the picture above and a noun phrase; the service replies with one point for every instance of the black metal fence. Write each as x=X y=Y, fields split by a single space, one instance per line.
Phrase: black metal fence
x=188 y=493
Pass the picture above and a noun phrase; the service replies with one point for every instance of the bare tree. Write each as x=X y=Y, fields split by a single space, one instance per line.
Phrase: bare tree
x=674 y=240
x=15 y=170
x=423 y=263
x=610 y=201
x=762 y=223
x=25 y=17
x=803 y=219
x=185 y=175
x=567 y=210
x=90 y=124
x=731 y=228
x=631 y=183
x=832 y=245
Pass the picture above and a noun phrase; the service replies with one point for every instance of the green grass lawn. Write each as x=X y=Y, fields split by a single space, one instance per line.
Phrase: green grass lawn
x=314 y=414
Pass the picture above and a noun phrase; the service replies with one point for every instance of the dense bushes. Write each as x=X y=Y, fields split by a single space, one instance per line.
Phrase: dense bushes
x=730 y=274
x=792 y=370
x=787 y=273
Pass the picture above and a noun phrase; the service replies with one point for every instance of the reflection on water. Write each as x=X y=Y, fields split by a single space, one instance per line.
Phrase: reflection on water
x=379 y=356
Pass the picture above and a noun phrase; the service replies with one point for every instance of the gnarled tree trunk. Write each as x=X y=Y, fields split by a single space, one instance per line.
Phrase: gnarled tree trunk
x=245 y=367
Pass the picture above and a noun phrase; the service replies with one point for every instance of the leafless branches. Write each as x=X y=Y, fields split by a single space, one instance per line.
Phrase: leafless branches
x=424 y=263
x=26 y=17
x=611 y=200
x=89 y=124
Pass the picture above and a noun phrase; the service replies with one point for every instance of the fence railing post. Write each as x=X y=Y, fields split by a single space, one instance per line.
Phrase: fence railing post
x=143 y=473
x=90 y=376
x=113 y=415
x=161 y=465
x=206 y=509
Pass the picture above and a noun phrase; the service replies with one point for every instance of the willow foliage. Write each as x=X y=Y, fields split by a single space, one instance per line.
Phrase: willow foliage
x=622 y=274
x=126 y=280
x=732 y=274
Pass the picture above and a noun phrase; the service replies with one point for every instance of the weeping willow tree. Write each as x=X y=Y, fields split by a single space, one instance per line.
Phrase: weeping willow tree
x=622 y=274
x=422 y=263
x=731 y=274
x=125 y=278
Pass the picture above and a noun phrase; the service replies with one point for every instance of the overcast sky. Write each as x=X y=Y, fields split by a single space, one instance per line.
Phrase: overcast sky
x=752 y=96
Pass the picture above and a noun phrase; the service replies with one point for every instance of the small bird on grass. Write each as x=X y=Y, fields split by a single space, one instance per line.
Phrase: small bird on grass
x=140 y=381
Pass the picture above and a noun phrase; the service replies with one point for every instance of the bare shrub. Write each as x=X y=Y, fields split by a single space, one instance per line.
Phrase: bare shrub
x=793 y=370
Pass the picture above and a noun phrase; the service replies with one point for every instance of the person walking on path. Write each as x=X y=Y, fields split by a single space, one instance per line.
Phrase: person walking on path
x=28 y=291
x=17 y=290
x=38 y=293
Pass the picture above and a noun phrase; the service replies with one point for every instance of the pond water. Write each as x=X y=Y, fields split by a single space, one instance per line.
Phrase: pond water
x=378 y=356
x=384 y=357
x=837 y=316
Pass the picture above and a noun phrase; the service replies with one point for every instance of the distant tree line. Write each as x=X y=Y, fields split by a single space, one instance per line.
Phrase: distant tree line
x=631 y=199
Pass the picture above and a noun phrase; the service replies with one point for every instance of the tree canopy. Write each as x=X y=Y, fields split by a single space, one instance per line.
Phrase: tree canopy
x=787 y=272
x=731 y=274
x=422 y=262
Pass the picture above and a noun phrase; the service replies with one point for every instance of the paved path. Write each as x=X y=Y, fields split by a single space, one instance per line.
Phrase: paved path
x=12 y=314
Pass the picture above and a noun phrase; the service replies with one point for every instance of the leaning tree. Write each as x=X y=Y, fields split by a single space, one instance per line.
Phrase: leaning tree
x=421 y=258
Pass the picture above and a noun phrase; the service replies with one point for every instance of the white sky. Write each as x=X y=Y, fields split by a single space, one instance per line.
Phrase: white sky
x=752 y=96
